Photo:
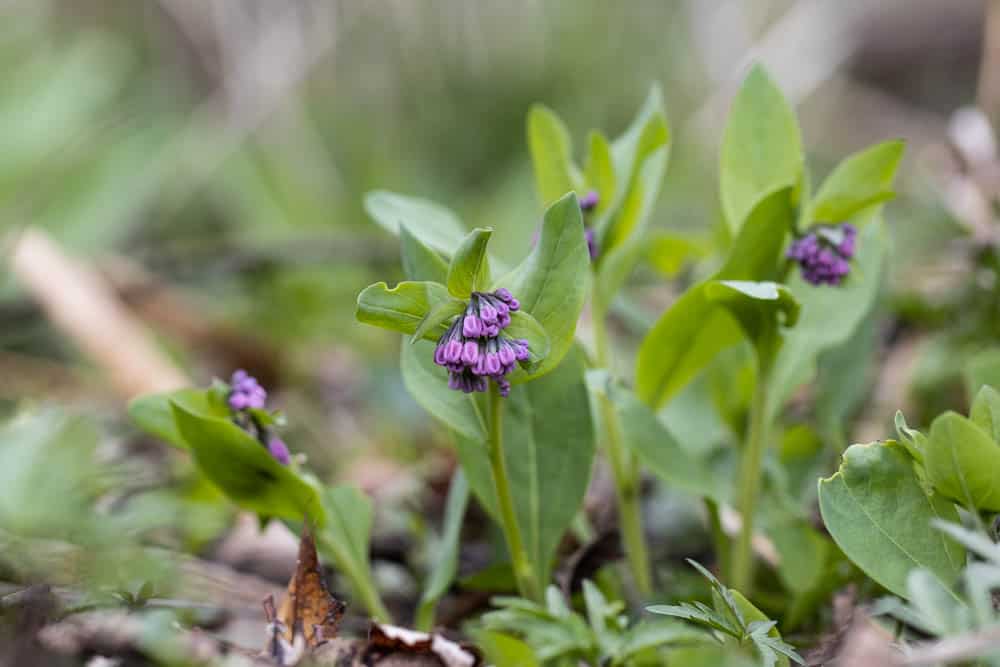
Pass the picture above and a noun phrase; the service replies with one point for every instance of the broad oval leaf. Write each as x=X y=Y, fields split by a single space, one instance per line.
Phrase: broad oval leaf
x=859 y=181
x=985 y=411
x=880 y=516
x=551 y=154
x=469 y=268
x=757 y=306
x=695 y=329
x=403 y=307
x=549 y=449
x=439 y=318
x=962 y=462
x=428 y=384
x=551 y=282
x=524 y=326
x=432 y=223
x=655 y=445
x=419 y=261
x=153 y=414
x=244 y=470
x=761 y=148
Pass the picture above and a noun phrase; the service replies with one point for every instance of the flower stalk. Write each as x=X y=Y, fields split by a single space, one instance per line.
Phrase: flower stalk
x=524 y=573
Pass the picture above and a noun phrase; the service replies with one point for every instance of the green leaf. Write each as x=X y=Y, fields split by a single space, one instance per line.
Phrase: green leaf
x=986 y=411
x=433 y=224
x=345 y=536
x=671 y=253
x=469 y=268
x=505 y=651
x=153 y=414
x=446 y=560
x=599 y=173
x=641 y=159
x=403 y=307
x=419 y=261
x=695 y=329
x=829 y=316
x=767 y=642
x=549 y=448
x=757 y=306
x=551 y=154
x=244 y=470
x=962 y=461
x=524 y=326
x=879 y=515
x=761 y=148
x=859 y=181
x=655 y=445
x=439 y=318
x=428 y=384
x=551 y=282
x=913 y=440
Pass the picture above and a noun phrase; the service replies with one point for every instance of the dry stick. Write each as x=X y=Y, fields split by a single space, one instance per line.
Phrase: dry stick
x=81 y=305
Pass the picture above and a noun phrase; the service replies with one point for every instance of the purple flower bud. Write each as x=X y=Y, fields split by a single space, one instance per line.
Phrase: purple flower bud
x=503 y=319
x=589 y=201
x=591 y=243
x=492 y=363
x=470 y=353
x=453 y=351
x=504 y=386
x=439 y=357
x=279 y=450
x=488 y=313
x=503 y=294
x=514 y=304
x=472 y=327
x=823 y=255
x=506 y=354
x=237 y=401
x=238 y=376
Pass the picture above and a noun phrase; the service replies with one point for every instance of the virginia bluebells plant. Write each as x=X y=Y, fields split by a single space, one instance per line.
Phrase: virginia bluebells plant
x=474 y=350
x=824 y=254
x=247 y=394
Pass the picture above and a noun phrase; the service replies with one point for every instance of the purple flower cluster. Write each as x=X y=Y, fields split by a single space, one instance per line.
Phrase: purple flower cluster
x=245 y=394
x=474 y=350
x=824 y=255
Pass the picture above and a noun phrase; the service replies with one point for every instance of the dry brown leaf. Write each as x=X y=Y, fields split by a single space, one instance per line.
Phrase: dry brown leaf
x=309 y=610
x=390 y=640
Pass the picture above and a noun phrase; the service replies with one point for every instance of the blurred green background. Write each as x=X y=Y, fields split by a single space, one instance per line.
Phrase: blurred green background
x=209 y=160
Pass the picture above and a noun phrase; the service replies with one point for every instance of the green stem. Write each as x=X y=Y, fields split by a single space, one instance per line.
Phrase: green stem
x=749 y=483
x=625 y=469
x=523 y=570
x=361 y=582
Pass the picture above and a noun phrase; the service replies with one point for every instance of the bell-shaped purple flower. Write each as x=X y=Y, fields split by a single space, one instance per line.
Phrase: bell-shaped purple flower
x=245 y=392
x=589 y=201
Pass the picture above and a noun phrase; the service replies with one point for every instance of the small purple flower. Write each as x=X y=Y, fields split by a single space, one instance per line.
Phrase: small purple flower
x=246 y=392
x=589 y=201
x=824 y=254
x=471 y=326
x=279 y=450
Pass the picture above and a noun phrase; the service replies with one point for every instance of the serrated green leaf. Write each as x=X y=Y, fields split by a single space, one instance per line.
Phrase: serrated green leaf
x=435 y=225
x=551 y=282
x=761 y=147
x=551 y=154
x=419 y=261
x=243 y=469
x=403 y=307
x=859 y=181
x=469 y=269
x=962 y=461
x=879 y=515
